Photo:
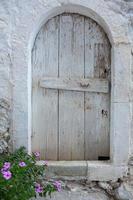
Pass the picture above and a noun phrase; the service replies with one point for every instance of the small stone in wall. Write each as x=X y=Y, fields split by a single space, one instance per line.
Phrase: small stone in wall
x=122 y=193
x=131 y=161
x=4 y=116
x=105 y=186
x=3 y=146
x=69 y=195
x=6 y=136
x=4 y=126
x=115 y=184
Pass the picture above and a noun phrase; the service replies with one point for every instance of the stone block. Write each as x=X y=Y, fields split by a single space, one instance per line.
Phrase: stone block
x=121 y=73
x=67 y=168
x=105 y=172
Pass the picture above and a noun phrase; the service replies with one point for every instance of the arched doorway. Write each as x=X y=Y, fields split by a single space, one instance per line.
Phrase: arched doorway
x=70 y=89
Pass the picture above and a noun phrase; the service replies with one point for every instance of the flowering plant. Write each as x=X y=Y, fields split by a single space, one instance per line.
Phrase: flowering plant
x=21 y=178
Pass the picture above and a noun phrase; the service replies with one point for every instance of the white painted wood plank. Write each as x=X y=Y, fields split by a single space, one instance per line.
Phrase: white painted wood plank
x=97 y=65
x=45 y=101
x=89 y=47
x=91 y=128
x=88 y=84
x=37 y=97
x=97 y=117
x=96 y=43
x=104 y=125
x=71 y=104
x=102 y=61
x=104 y=114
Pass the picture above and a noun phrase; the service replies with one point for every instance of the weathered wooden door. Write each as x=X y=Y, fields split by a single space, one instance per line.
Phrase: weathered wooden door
x=70 y=89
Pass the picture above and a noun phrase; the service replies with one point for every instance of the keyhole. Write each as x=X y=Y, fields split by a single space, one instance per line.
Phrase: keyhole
x=105 y=71
x=105 y=113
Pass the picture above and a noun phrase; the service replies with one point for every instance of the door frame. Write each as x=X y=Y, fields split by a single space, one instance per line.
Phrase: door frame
x=120 y=128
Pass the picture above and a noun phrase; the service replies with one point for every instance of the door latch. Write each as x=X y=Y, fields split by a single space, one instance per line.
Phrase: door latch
x=84 y=85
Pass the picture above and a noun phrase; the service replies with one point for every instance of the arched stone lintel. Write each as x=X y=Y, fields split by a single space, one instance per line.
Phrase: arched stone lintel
x=114 y=25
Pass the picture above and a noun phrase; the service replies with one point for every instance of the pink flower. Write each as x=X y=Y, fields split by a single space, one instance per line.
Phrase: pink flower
x=6 y=166
x=7 y=175
x=45 y=162
x=2 y=170
x=57 y=185
x=22 y=164
x=38 y=188
x=37 y=185
x=37 y=154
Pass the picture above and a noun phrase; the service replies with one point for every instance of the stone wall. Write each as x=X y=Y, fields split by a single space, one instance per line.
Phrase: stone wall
x=5 y=77
x=5 y=119
x=130 y=15
x=93 y=191
x=11 y=12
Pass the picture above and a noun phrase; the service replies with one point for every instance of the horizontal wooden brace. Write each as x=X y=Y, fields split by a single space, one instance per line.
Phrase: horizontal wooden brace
x=85 y=85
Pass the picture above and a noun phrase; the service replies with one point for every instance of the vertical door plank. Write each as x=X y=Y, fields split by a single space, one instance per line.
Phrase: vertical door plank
x=104 y=108
x=91 y=125
x=37 y=97
x=103 y=125
x=45 y=101
x=97 y=64
x=71 y=104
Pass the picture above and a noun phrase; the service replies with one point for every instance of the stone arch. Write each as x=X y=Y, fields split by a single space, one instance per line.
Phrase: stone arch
x=116 y=26
x=71 y=8
x=91 y=38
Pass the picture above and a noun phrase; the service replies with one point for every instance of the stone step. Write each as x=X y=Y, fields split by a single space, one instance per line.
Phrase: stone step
x=78 y=195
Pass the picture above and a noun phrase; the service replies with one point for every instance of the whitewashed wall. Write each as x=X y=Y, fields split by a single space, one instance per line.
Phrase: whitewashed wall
x=19 y=23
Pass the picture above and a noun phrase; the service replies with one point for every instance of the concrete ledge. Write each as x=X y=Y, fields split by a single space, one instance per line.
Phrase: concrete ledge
x=103 y=171
x=90 y=170
x=66 y=168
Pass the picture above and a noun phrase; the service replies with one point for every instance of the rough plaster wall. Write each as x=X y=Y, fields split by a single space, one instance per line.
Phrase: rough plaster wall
x=5 y=51
x=10 y=24
x=10 y=18
x=5 y=77
x=23 y=14
x=130 y=16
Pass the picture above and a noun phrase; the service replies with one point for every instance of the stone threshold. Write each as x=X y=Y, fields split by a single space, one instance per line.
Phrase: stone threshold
x=90 y=170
